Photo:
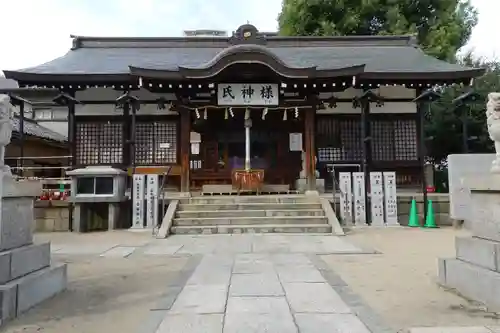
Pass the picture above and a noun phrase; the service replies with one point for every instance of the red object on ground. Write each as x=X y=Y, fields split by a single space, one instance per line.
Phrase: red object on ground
x=431 y=189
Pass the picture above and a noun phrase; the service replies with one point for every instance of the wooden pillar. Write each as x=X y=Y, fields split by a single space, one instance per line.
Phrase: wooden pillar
x=72 y=130
x=133 y=132
x=310 y=148
x=421 y=106
x=126 y=135
x=185 y=129
x=72 y=149
x=366 y=145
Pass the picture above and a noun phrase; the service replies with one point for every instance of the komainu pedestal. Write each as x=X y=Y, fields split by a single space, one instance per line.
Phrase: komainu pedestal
x=27 y=276
x=475 y=272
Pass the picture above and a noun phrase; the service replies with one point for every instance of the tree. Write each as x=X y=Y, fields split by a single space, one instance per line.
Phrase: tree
x=443 y=126
x=441 y=26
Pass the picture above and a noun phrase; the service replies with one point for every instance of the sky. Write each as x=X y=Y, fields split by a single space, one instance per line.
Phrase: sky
x=44 y=32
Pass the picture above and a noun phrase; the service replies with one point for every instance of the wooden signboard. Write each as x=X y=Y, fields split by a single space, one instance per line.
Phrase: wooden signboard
x=345 y=186
x=359 y=198
x=152 y=191
x=377 y=199
x=138 y=189
x=391 y=199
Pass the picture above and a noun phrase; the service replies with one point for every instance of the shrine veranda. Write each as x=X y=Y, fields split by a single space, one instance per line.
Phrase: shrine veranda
x=194 y=109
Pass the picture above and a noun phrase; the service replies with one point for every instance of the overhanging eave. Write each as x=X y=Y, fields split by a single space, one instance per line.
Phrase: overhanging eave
x=44 y=79
x=448 y=76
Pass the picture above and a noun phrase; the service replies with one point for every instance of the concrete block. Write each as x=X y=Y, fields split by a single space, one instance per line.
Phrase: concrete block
x=485 y=207
x=39 y=286
x=478 y=251
x=4 y=267
x=16 y=222
x=28 y=259
x=301 y=185
x=49 y=224
x=8 y=302
x=474 y=282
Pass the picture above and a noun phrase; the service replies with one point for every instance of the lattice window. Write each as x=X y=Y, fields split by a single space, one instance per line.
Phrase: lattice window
x=329 y=154
x=405 y=140
x=144 y=142
x=156 y=143
x=338 y=139
x=382 y=143
x=352 y=149
x=99 y=143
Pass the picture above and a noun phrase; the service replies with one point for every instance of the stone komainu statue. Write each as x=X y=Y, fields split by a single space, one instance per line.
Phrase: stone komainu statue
x=6 y=114
x=493 y=122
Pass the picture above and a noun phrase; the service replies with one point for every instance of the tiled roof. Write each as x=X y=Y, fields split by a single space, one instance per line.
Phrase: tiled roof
x=116 y=60
x=37 y=130
x=107 y=56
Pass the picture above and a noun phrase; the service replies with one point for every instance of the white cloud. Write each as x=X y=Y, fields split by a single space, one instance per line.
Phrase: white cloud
x=485 y=41
x=43 y=32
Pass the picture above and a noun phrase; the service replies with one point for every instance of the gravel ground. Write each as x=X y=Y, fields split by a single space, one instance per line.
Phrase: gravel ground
x=400 y=284
x=103 y=295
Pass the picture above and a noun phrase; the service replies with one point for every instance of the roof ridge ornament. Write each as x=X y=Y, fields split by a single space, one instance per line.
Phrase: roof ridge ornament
x=247 y=34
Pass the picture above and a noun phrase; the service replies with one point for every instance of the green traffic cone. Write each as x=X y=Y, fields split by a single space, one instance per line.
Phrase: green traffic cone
x=430 y=222
x=413 y=222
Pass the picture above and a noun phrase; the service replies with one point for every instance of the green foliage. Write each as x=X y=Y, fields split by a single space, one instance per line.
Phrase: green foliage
x=444 y=123
x=441 y=26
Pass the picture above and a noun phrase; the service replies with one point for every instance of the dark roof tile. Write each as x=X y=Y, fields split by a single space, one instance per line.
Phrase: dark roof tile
x=116 y=60
x=37 y=130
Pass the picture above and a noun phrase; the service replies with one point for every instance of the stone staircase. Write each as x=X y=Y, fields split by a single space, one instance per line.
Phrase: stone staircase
x=250 y=214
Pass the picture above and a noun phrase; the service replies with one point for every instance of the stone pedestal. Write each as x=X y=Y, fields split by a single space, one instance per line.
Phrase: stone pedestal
x=475 y=272
x=27 y=276
x=301 y=185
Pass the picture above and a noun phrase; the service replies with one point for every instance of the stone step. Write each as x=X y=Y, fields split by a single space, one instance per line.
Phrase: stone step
x=249 y=213
x=263 y=228
x=234 y=199
x=19 y=295
x=249 y=206
x=246 y=220
x=24 y=260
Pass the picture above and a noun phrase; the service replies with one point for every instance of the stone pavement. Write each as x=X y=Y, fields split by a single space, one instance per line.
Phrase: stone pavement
x=279 y=293
x=210 y=244
x=251 y=283
x=248 y=283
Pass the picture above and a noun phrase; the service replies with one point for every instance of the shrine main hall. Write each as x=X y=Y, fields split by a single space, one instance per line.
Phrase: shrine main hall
x=291 y=108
